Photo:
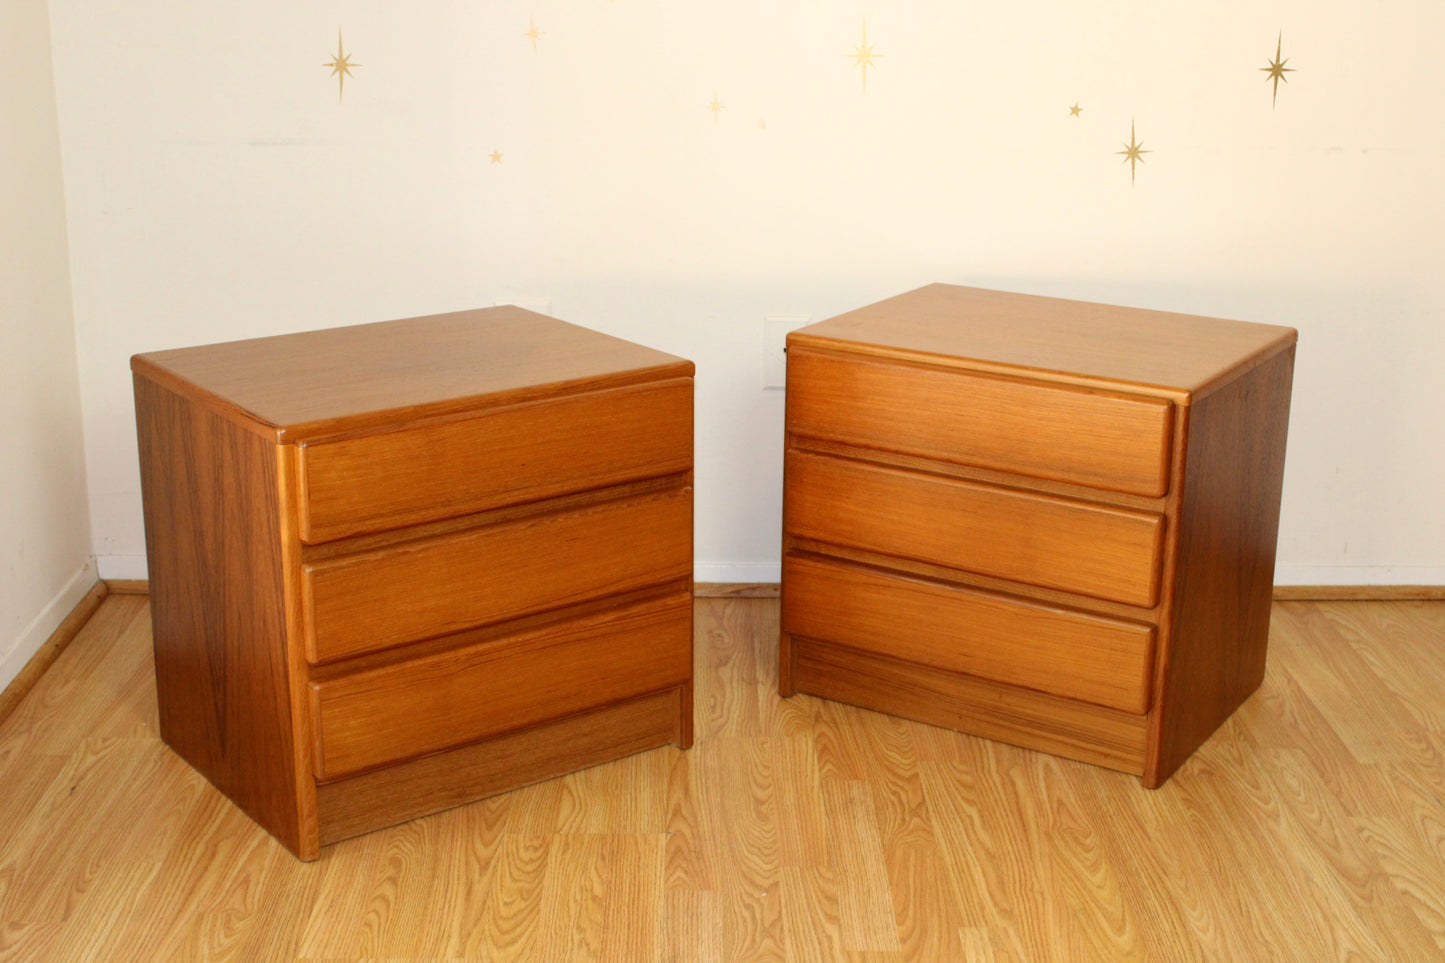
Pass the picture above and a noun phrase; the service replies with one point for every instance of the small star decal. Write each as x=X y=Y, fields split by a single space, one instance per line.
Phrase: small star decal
x=533 y=33
x=1133 y=152
x=863 y=56
x=340 y=67
x=716 y=107
x=1277 y=68
x=496 y=156
x=1075 y=110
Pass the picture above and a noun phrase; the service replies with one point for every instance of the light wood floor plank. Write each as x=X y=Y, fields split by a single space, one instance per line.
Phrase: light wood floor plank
x=1311 y=827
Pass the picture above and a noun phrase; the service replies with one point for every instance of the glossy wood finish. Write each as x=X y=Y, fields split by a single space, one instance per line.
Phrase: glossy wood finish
x=496 y=572
x=1071 y=435
x=212 y=498
x=956 y=700
x=341 y=525
x=506 y=456
x=1117 y=469
x=317 y=384
x=990 y=529
x=419 y=787
x=1070 y=653
x=1306 y=829
x=1179 y=356
x=422 y=705
x=1228 y=525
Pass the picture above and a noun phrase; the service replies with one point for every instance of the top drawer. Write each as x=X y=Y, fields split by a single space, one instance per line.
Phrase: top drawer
x=500 y=457
x=1108 y=441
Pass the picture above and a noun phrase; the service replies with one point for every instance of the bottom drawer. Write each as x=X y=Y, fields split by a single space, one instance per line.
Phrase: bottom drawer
x=1068 y=653
x=382 y=715
x=1022 y=717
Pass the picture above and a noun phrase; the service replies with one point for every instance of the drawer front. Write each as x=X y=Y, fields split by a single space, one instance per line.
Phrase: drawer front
x=503 y=457
x=1114 y=442
x=1057 y=543
x=360 y=603
x=413 y=708
x=1079 y=656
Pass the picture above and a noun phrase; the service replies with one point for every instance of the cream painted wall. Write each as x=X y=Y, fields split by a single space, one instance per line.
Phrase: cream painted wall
x=218 y=189
x=45 y=554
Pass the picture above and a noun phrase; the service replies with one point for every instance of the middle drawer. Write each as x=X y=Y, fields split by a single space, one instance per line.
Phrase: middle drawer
x=1058 y=543
x=493 y=573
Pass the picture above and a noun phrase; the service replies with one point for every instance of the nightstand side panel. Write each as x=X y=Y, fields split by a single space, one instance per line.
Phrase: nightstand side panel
x=211 y=504
x=1224 y=576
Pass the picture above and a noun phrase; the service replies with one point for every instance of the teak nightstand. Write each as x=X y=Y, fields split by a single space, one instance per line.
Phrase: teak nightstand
x=1045 y=522
x=396 y=567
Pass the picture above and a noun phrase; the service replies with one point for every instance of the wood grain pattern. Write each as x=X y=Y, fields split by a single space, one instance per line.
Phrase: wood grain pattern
x=1225 y=567
x=1121 y=348
x=376 y=544
x=998 y=456
x=1022 y=717
x=1067 y=434
x=1308 y=829
x=295 y=387
x=211 y=497
x=384 y=797
x=494 y=572
x=443 y=469
x=50 y=650
x=1073 y=546
x=427 y=704
x=1020 y=643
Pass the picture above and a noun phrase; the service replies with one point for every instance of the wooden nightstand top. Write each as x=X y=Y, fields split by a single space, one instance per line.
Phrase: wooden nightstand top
x=1179 y=355
x=292 y=386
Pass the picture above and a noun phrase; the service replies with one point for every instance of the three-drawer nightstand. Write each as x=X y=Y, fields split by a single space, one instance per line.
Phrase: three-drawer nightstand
x=1046 y=522
x=396 y=567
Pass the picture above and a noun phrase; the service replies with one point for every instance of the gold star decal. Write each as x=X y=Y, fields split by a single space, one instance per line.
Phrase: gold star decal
x=863 y=55
x=1277 y=68
x=533 y=33
x=716 y=107
x=340 y=66
x=1133 y=152
x=496 y=156
x=1075 y=110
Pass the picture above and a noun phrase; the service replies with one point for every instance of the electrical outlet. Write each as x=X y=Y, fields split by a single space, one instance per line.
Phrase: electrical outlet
x=775 y=346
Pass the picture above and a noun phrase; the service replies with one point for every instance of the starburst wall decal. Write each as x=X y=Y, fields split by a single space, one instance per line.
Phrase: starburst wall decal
x=1277 y=68
x=340 y=67
x=863 y=56
x=1133 y=152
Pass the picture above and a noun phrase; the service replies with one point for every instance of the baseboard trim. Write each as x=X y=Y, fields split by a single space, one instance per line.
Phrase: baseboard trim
x=1282 y=593
x=50 y=650
x=21 y=685
x=702 y=590
x=128 y=586
x=735 y=590
x=1359 y=593
x=771 y=590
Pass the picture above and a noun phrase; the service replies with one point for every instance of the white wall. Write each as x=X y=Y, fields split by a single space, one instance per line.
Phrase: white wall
x=45 y=554
x=218 y=189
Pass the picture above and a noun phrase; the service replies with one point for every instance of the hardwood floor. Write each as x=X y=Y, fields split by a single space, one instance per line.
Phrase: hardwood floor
x=1311 y=828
